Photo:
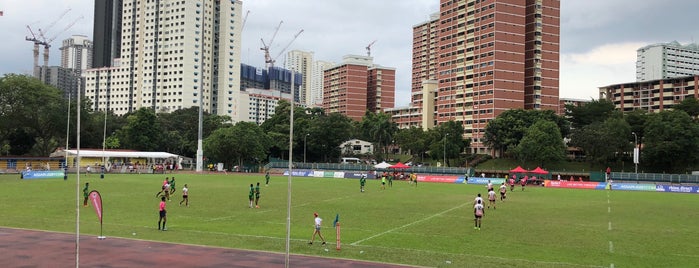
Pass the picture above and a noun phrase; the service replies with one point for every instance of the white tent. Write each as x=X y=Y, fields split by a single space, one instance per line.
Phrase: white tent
x=382 y=165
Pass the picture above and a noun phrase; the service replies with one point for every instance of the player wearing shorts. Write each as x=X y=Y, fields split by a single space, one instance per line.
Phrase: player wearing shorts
x=478 y=199
x=267 y=179
x=172 y=186
x=185 y=196
x=257 y=195
x=512 y=184
x=503 y=191
x=491 y=198
x=489 y=186
x=251 y=194
x=478 y=212
x=362 y=182
x=165 y=182
x=163 y=214
x=383 y=182
x=524 y=182
x=86 y=193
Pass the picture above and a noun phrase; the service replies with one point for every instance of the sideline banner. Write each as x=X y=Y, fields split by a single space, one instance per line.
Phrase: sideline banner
x=298 y=173
x=575 y=184
x=481 y=180
x=633 y=187
x=42 y=174
x=677 y=189
x=438 y=178
x=356 y=175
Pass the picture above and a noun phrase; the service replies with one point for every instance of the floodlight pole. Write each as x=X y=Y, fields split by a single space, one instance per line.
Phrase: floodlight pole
x=200 y=150
x=304 y=147
x=291 y=155
x=445 y=149
x=635 y=151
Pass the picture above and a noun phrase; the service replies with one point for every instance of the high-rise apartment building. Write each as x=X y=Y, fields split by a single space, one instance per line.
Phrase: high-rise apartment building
x=106 y=32
x=357 y=85
x=302 y=62
x=174 y=55
x=653 y=95
x=486 y=56
x=666 y=60
x=76 y=53
x=316 y=82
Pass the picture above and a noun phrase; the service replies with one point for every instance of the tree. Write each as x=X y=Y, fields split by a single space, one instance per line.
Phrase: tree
x=690 y=106
x=542 y=143
x=244 y=142
x=603 y=142
x=142 y=131
x=505 y=131
x=378 y=128
x=326 y=133
x=447 y=141
x=593 y=111
x=414 y=140
x=671 y=141
x=181 y=129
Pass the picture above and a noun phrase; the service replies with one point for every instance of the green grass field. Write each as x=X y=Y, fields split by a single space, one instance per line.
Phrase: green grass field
x=428 y=225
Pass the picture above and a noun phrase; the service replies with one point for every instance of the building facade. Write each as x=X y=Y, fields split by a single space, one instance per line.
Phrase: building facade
x=174 y=55
x=260 y=104
x=490 y=56
x=652 y=96
x=76 y=53
x=356 y=86
x=316 y=82
x=106 y=33
x=666 y=60
x=302 y=62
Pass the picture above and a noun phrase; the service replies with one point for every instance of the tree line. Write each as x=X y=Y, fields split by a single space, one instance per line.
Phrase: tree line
x=34 y=121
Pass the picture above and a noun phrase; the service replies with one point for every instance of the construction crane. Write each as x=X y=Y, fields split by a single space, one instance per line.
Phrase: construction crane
x=265 y=47
x=368 y=48
x=37 y=42
x=244 y=20
x=284 y=49
x=47 y=43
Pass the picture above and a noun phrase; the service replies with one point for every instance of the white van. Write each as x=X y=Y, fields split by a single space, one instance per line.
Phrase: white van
x=350 y=160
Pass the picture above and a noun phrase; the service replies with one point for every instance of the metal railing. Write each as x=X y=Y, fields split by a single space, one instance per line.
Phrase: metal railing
x=655 y=177
x=360 y=167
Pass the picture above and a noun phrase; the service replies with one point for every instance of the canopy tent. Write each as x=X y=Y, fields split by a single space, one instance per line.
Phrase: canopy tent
x=539 y=170
x=518 y=169
x=399 y=165
x=382 y=165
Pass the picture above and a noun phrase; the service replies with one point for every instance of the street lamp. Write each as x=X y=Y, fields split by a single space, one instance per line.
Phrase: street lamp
x=445 y=149
x=635 y=150
x=304 y=147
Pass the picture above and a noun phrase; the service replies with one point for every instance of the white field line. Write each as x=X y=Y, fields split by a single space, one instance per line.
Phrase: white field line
x=408 y=224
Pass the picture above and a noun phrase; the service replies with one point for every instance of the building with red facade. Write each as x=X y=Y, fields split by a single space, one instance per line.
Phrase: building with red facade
x=357 y=85
x=487 y=57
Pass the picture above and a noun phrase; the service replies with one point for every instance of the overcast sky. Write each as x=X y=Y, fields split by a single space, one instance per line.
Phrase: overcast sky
x=599 y=38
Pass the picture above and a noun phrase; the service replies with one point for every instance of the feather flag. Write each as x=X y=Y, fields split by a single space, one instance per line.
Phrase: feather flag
x=337 y=219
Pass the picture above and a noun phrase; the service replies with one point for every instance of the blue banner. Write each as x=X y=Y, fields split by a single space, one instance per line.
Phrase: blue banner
x=633 y=187
x=299 y=173
x=481 y=180
x=677 y=189
x=357 y=175
x=42 y=174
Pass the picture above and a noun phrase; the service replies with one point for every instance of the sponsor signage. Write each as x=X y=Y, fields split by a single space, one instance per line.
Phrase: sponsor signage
x=481 y=180
x=42 y=174
x=298 y=172
x=318 y=173
x=328 y=174
x=677 y=189
x=633 y=187
x=356 y=175
x=575 y=184
x=437 y=178
x=339 y=175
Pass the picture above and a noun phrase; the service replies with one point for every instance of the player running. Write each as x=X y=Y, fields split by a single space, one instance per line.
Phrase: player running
x=491 y=198
x=185 y=196
x=489 y=186
x=172 y=186
x=503 y=191
x=316 y=229
x=512 y=183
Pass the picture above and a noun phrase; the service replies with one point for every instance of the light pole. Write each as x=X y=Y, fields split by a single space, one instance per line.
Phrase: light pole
x=304 y=147
x=445 y=149
x=635 y=151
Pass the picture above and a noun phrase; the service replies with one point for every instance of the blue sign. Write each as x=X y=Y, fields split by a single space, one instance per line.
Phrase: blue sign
x=633 y=187
x=299 y=173
x=677 y=189
x=357 y=175
x=461 y=179
x=42 y=174
x=481 y=180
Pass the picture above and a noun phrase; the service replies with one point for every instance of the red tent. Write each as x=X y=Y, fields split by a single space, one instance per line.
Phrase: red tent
x=539 y=170
x=399 y=165
x=518 y=169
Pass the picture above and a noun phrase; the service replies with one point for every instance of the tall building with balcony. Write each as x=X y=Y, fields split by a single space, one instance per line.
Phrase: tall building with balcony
x=490 y=56
x=316 y=82
x=106 y=33
x=173 y=55
x=302 y=62
x=357 y=85
x=666 y=60
x=652 y=95
x=76 y=53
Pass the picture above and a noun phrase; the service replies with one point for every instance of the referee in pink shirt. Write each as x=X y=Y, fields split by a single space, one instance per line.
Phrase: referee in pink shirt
x=163 y=214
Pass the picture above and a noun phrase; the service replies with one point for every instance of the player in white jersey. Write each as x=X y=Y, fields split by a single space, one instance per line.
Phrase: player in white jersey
x=478 y=211
x=503 y=191
x=185 y=196
x=491 y=198
x=478 y=198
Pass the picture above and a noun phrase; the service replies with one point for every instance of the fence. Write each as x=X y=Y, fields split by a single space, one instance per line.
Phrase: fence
x=359 y=167
x=655 y=177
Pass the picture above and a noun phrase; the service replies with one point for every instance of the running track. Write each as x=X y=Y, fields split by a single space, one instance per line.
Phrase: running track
x=30 y=248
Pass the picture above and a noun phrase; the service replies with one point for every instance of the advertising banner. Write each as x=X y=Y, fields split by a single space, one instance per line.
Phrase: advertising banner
x=328 y=174
x=481 y=180
x=318 y=173
x=50 y=174
x=355 y=175
x=438 y=178
x=633 y=187
x=298 y=172
x=677 y=189
x=339 y=175
x=575 y=184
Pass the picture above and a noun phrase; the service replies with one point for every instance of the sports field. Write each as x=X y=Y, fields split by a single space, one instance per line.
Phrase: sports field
x=427 y=225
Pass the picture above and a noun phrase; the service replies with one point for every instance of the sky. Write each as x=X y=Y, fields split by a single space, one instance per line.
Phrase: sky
x=599 y=38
